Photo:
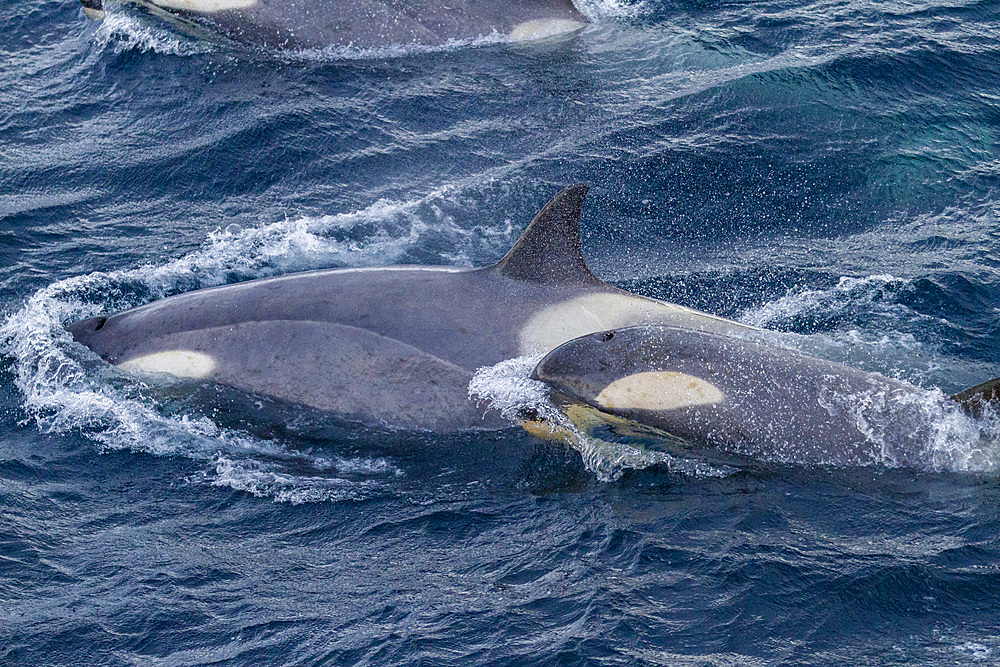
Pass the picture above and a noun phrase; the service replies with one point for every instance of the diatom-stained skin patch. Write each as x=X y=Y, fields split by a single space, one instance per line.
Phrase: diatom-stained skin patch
x=543 y=28
x=563 y=321
x=181 y=363
x=204 y=6
x=560 y=322
x=658 y=390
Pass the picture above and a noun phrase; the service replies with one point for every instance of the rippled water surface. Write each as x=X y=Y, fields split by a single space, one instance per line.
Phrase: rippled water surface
x=828 y=170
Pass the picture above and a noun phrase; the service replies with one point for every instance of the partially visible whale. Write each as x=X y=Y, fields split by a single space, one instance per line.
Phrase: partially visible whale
x=366 y=24
x=744 y=396
x=394 y=345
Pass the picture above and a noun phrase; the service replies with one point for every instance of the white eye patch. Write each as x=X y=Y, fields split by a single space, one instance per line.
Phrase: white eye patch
x=204 y=6
x=658 y=390
x=181 y=363
x=540 y=29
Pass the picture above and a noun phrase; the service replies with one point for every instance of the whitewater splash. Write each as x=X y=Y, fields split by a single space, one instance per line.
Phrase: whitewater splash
x=849 y=295
x=833 y=314
x=123 y=31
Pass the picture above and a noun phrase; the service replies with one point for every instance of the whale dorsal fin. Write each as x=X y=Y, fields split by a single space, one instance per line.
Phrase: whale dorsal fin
x=975 y=398
x=549 y=251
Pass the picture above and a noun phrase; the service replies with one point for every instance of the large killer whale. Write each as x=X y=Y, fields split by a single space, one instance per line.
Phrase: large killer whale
x=366 y=24
x=397 y=345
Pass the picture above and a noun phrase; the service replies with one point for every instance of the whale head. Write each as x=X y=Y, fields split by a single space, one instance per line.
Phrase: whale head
x=641 y=374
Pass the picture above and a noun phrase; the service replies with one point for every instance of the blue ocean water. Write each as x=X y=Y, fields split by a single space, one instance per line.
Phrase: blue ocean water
x=827 y=169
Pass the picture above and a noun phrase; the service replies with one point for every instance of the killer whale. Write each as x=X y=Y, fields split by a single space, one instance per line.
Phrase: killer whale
x=396 y=345
x=740 y=395
x=365 y=24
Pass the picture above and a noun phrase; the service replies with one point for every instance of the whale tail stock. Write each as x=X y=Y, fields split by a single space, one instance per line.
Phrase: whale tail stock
x=974 y=399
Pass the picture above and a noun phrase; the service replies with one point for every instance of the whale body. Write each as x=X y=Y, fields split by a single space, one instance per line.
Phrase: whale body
x=366 y=24
x=744 y=396
x=395 y=345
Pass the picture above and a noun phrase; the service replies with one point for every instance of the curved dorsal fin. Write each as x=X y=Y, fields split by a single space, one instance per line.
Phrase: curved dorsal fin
x=549 y=250
x=974 y=399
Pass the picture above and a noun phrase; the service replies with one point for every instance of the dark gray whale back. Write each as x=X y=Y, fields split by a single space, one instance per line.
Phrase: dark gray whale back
x=366 y=24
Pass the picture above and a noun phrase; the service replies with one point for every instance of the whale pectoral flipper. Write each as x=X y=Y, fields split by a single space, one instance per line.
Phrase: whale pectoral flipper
x=975 y=398
x=352 y=372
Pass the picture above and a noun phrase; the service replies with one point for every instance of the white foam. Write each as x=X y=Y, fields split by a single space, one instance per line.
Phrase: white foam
x=974 y=650
x=262 y=480
x=543 y=29
x=595 y=10
x=205 y=6
x=849 y=294
x=122 y=31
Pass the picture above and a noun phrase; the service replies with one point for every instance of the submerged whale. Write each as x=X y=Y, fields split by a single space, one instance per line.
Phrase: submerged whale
x=366 y=24
x=741 y=395
x=396 y=346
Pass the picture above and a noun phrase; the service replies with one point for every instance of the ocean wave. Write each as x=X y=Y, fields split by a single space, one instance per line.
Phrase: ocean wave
x=261 y=479
x=848 y=296
x=859 y=321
